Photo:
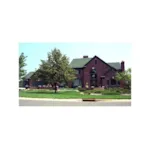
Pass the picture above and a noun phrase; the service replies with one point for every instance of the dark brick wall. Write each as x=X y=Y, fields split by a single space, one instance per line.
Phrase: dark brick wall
x=33 y=83
x=81 y=76
x=102 y=70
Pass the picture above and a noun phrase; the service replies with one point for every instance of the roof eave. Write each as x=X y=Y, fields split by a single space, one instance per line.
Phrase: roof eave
x=77 y=67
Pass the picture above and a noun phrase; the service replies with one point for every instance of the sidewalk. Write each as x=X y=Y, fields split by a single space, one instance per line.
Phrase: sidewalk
x=50 y=99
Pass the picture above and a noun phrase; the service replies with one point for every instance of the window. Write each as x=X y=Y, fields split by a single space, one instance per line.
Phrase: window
x=95 y=62
x=107 y=82
x=93 y=76
x=77 y=71
x=77 y=82
x=93 y=71
x=113 y=82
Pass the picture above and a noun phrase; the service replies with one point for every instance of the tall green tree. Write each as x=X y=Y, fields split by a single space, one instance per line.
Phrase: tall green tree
x=125 y=77
x=22 y=64
x=55 y=69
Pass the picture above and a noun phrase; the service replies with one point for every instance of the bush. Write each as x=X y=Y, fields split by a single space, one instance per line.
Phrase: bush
x=91 y=91
x=117 y=90
x=92 y=87
x=66 y=86
x=126 y=91
x=120 y=90
x=97 y=91
x=109 y=92
x=88 y=91
x=81 y=89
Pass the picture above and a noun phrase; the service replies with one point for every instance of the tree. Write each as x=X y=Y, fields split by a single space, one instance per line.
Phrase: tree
x=55 y=69
x=22 y=64
x=125 y=77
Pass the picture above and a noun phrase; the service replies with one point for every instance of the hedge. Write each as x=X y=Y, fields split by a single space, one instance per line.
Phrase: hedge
x=110 y=93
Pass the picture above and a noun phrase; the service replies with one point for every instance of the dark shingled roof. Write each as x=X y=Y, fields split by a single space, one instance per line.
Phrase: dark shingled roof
x=115 y=65
x=81 y=62
x=29 y=75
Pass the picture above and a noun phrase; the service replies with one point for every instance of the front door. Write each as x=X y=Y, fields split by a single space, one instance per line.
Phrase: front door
x=94 y=83
x=101 y=82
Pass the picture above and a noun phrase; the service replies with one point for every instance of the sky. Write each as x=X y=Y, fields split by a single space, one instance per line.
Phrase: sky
x=109 y=52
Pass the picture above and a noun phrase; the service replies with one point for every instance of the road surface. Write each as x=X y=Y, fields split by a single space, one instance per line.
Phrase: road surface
x=24 y=102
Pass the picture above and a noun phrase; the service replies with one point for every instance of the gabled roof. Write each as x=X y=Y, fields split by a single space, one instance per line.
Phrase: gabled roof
x=29 y=75
x=81 y=62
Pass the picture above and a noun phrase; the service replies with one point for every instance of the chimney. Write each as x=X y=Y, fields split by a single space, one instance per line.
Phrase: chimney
x=85 y=56
x=123 y=66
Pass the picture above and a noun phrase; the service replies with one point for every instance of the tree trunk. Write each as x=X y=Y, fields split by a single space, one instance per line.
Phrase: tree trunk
x=55 y=87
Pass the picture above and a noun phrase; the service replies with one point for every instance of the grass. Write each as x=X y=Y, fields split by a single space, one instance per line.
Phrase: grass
x=66 y=95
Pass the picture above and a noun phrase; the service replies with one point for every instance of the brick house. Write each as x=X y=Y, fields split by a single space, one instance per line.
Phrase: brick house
x=89 y=71
x=31 y=83
x=96 y=72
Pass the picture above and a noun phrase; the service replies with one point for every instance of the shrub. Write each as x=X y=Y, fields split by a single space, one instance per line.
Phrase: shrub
x=126 y=91
x=92 y=87
x=91 y=91
x=109 y=92
x=88 y=91
x=81 y=89
x=120 y=90
x=123 y=90
x=97 y=91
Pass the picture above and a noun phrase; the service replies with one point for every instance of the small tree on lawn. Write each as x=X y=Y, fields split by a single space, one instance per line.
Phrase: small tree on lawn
x=55 y=69
x=22 y=64
x=125 y=77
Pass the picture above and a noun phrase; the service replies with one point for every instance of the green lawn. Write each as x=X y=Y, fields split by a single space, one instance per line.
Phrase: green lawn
x=66 y=95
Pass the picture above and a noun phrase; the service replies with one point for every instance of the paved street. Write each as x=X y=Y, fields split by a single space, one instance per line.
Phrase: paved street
x=25 y=102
